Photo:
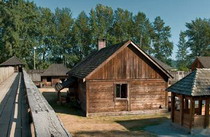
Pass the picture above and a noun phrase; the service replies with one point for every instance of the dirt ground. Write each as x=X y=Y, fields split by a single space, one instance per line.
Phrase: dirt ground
x=110 y=126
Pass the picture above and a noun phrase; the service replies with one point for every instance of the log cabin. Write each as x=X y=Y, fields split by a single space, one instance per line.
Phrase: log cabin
x=119 y=79
x=53 y=74
x=201 y=62
x=14 y=62
x=190 y=101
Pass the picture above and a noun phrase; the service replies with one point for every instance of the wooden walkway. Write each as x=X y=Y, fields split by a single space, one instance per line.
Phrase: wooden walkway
x=14 y=116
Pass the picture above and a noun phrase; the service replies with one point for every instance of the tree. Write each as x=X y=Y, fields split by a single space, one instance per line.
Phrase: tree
x=123 y=26
x=142 y=31
x=101 y=21
x=182 y=53
x=198 y=33
x=162 y=47
x=81 y=38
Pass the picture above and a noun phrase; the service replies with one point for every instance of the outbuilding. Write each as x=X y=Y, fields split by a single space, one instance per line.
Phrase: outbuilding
x=14 y=62
x=190 y=100
x=119 y=79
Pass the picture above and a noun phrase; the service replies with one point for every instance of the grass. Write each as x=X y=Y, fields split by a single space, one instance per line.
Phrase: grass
x=127 y=125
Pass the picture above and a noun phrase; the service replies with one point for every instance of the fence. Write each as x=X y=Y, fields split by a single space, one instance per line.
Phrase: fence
x=5 y=72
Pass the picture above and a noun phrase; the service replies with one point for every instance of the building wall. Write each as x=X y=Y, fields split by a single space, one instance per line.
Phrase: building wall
x=142 y=94
x=54 y=80
x=146 y=84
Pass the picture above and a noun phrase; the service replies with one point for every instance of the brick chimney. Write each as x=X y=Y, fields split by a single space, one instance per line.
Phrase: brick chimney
x=101 y=43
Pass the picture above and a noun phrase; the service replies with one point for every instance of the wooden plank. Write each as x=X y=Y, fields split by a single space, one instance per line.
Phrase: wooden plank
x=172 y=106
x=192 y=112
x=206 y=124
x=7 y=109
x=181 y=109
x=46 y=123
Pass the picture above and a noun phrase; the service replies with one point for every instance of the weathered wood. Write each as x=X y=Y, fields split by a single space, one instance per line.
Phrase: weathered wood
x=172 y=106
x=206 y=124
x=181 y=109
x=200 y=107
x=45 y=121
x=7 y=109
x=192 y=112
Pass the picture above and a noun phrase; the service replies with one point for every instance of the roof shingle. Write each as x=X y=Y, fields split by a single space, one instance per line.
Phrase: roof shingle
x=205 y=61
x=55 y=70
x=197 y=83
x=13 y=61
x=85 y=67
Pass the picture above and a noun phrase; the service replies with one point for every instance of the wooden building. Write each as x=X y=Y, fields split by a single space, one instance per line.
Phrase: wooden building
x=35 y=75
x=201 y=62
x=54 y=74
x=119 y=78
x=14 y=62
x=190 y=100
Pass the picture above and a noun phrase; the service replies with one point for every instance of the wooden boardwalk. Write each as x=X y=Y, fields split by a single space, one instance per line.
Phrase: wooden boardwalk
x=14 y=116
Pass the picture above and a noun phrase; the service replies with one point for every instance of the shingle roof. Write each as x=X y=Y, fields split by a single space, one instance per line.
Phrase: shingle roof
x=164 y=65
x=85 y=67
x=205 y=61
x=56 y=70
x=197 y=83
x=13 y=61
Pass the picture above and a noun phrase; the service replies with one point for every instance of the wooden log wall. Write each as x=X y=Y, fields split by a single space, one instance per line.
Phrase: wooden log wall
x=46 y=123
x=5 y=72
x=146 y=84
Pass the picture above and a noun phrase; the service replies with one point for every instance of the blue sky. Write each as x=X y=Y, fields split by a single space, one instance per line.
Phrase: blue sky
x=175 y=13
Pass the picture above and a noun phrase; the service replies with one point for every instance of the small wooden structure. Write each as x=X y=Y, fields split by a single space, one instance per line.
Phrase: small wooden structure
x=14 y=62
x=54 y=74
x=36 y=76
x=201 y=62
x=119 y=79
x=190 y=100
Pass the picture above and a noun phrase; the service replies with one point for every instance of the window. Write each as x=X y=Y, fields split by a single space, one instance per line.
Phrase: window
x=121 y=90
x=48 y=79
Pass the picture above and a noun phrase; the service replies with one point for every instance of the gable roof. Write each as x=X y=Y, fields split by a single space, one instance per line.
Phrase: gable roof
x=205 y=61
x=56 y=70
x=13 y=61
x=97 y=58
x=164 y=65
x=197 y=83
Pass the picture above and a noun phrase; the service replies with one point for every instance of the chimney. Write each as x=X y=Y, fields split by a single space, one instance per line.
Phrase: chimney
x=101 y=43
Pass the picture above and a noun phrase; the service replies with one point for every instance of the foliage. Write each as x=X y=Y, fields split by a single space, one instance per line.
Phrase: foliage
x=56 y=37
x=182 y=54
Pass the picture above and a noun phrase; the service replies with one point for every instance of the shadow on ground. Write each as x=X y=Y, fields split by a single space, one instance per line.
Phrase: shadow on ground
x=113 y=133
x=66 y=108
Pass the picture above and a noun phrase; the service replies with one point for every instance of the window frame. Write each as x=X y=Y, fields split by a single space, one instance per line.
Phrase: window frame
x=115 y=91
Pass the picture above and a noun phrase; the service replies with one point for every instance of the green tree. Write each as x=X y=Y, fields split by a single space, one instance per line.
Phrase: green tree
x=123 y=26
x=81 y=38
x=101 y=21
x=142 y=31
x=162 y=46
x=182 y=53
x=198 y=33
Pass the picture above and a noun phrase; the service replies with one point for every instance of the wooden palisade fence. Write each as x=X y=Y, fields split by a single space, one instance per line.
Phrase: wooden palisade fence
x=46 y=123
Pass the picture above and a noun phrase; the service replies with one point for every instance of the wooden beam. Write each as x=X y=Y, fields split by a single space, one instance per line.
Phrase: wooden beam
x=181 y=109
x=200 y=107
x=192 y=112
x=206 y=124
x=186 y=104
x=172 y=106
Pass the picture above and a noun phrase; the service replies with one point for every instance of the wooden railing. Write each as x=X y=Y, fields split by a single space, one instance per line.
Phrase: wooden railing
x=45 y=121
